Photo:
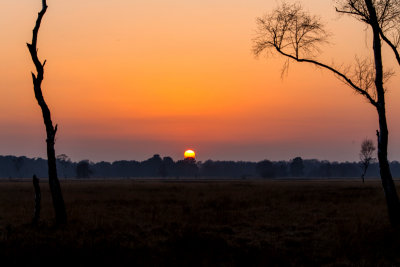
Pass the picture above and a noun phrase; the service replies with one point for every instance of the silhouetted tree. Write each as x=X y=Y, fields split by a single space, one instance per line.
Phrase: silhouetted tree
x=281 y=169
x=234 y=169
x=297 y=167
x=296 y=35
x=152 y=166
x=83 y=169
x=265 y=169
x=325 y=168
x=187 y=167
x=162 y=171
x=367 y=150
x=55 y=188
x=19 y=162
x=65 y=161
x=167 y=167
x=103 y=169
x=122 y=168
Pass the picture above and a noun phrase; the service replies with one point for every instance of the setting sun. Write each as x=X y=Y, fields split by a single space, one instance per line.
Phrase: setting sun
x=189 y=154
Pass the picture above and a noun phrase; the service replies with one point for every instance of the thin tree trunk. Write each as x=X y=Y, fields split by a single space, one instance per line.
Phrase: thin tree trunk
x=392 y=199
x=58 y=201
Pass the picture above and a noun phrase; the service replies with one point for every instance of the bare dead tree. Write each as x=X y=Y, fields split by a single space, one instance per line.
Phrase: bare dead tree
x=366 y=156
x=295 y=34
x=58 y=201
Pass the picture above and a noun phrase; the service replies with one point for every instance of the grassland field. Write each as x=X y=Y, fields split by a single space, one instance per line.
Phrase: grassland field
x=200 y=223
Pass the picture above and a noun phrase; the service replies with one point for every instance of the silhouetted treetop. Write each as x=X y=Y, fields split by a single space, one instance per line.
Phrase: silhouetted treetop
x=291 y=30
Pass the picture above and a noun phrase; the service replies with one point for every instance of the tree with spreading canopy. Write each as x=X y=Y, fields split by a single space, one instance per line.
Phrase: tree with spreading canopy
x=298 y=36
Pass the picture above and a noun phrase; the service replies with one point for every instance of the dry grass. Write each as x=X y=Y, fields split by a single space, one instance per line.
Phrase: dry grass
x=231 y=223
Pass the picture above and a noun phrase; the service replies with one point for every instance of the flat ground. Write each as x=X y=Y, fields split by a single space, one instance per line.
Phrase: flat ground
x=224 y=223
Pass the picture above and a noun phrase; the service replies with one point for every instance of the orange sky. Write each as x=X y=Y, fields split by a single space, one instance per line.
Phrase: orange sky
x=128 y=79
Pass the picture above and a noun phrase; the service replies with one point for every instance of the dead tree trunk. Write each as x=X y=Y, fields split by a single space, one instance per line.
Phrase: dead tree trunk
x=38 y=198
x=58 y=201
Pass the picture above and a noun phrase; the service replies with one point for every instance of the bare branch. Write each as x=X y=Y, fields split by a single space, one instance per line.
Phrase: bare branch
x=340 y=75
x=364 y=75
x=356 y=8
x=289 y=27
x=294 y=34
x=393 y=46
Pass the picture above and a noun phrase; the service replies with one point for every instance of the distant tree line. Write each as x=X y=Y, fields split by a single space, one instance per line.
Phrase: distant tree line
x=23 y=167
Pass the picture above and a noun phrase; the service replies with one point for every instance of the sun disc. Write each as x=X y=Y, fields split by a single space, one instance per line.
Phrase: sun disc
x=189 y=154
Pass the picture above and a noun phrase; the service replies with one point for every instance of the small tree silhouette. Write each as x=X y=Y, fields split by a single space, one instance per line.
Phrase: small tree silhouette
x=83 y=169
x=265 y=169
x=64 y=160
x=297 y=167
x=366 y=152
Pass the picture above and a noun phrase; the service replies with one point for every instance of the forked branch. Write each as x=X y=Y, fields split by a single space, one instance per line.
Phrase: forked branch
x=392 y=45
x=33 y=46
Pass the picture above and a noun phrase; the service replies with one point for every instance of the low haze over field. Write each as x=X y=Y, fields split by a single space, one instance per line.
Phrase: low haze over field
x=128 y=79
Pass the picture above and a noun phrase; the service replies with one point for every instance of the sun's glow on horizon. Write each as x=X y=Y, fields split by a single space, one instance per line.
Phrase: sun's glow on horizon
x=189 y=154
x=145 y=89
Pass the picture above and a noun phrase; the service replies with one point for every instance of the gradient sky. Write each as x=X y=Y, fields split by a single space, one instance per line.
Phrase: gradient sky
x=128 y=79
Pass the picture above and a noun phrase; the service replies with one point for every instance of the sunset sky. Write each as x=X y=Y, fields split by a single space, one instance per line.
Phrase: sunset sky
x=128 y=79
